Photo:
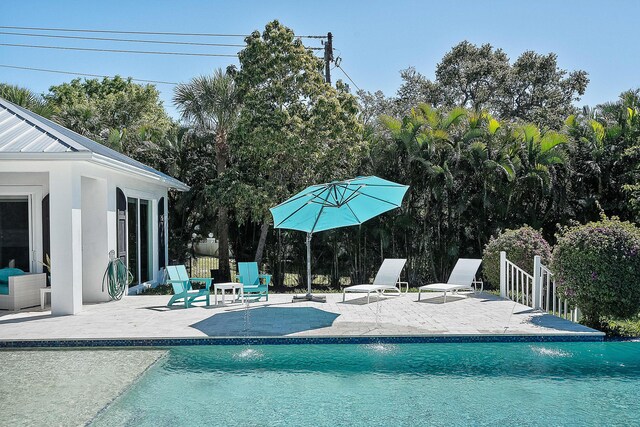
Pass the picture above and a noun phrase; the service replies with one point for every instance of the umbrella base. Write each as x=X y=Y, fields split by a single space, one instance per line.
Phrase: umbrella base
x=309 y=297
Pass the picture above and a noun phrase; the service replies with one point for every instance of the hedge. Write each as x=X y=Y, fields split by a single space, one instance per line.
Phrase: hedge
x=521 y=245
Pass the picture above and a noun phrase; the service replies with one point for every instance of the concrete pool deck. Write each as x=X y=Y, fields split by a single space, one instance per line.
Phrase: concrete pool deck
x=148 y=317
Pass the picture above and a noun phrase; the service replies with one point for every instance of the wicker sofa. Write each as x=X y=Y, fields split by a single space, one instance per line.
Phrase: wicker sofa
x=20 y=290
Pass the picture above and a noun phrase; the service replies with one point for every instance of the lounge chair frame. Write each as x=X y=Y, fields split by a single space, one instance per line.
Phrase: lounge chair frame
x=386 y=281
x=462 y=278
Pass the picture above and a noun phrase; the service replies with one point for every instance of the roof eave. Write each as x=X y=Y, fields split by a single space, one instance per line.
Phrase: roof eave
x=123 y=167
x=101 y=161
x=62 y=155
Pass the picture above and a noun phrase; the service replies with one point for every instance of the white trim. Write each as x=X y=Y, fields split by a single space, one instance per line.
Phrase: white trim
x=151 y=176
x=152 y=258
x=100 y=160
x=63 y=155
x=166 y=229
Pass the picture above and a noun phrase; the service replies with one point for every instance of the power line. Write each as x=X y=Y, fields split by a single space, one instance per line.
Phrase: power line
x=171 y=42
x=87 y=49
x=82 y=74
x=345 y=73
x=158 y=33
x=122 y=40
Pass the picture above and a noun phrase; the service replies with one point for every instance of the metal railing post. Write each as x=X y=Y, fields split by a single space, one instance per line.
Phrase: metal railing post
x=537 y=282
x=503 y=274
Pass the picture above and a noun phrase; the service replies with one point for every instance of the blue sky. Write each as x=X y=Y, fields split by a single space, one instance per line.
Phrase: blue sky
x=375 y=39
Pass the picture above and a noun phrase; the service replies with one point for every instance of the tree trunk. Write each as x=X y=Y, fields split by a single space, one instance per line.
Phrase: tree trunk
x=264 y=230
x=222 y=154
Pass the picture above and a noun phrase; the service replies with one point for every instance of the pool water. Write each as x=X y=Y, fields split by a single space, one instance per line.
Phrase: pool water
x=387 y=385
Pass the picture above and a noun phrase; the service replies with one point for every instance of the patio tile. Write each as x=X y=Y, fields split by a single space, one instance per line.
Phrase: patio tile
x=148 y=317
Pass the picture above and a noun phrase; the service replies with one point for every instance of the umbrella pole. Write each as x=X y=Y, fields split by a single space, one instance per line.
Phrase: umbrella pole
x=308 y=265
x=309 y=296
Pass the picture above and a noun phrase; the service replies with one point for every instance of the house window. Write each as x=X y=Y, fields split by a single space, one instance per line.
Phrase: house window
x=15 y=232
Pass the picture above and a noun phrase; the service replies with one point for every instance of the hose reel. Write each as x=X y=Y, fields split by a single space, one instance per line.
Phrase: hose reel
x=116 y=277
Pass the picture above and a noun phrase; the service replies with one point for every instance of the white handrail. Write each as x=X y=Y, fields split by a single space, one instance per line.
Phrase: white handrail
x=538 y=291
x=553 y=302
x=516 y=284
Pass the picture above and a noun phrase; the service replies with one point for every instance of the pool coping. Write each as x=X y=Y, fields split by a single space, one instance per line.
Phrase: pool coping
x=293 y=340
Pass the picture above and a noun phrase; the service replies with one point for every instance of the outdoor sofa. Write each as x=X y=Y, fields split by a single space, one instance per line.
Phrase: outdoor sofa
x=20 y=290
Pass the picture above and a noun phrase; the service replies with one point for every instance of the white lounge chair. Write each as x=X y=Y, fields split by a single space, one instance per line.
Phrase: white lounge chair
x=387 y=279
x=462 y=278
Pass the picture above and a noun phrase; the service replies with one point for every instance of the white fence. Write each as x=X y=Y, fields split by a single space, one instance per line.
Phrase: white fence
x=538 y=291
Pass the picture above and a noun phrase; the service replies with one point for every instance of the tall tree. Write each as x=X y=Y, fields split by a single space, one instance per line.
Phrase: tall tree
x=481 y=78
x=210 y=104
x=113 y=111
x=538 y=91
x=471 y=76
x=294 y=128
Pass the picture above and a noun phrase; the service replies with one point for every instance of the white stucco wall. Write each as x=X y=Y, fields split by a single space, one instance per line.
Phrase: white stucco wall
x=94 y=238
x=83 y=221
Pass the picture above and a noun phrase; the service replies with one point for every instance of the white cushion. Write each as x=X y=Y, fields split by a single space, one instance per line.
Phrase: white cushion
x=366 y=288
x=443 y=287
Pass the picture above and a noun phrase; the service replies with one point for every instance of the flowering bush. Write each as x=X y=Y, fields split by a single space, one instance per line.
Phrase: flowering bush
x=521 y=245
x=597 y=267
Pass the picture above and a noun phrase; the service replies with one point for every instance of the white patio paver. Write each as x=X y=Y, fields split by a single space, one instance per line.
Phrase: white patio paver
x=148 y=317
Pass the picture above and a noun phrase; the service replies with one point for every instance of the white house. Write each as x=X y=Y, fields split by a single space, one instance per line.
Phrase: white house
x=65 y=195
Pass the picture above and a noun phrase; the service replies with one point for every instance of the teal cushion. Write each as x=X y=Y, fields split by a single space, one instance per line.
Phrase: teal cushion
x=5 y=273
x=4 y=289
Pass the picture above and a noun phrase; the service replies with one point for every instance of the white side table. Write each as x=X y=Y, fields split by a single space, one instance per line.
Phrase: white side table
x=43 y=295
x=227 y=286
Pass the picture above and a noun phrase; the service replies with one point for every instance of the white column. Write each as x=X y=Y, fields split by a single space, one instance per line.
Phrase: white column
x=95 y=246
x=503 y=274
x=66 y=240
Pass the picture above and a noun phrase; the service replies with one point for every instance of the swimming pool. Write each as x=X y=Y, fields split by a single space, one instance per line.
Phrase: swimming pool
x=385 y=384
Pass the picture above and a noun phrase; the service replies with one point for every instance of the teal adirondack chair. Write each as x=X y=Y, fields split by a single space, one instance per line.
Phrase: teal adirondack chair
x=182 y=290
x=255 y=285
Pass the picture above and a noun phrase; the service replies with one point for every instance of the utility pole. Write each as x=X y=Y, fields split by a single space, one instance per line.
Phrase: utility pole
x=328 y=57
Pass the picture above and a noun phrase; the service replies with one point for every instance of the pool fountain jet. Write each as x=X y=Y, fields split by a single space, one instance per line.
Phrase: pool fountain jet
x=378 y=311
x=248 y=352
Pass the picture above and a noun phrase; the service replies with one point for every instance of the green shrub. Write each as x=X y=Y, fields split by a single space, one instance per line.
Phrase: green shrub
x=521 y=245
x=597 y=267
x=627 y=328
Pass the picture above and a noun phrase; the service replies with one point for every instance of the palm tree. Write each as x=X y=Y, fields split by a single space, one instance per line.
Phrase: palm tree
x=26 y=98
x=538 y=154
x=210 y=104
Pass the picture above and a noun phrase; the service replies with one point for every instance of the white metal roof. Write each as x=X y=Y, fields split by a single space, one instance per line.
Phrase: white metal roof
x=26 y=133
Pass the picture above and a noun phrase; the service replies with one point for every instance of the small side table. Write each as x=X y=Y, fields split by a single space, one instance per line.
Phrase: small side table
x=43 y=295
x=227 y=286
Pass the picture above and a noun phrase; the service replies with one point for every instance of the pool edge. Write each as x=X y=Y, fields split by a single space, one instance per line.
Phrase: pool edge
x=280 y=340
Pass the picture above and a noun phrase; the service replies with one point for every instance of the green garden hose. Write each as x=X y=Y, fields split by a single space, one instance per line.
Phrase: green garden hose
x=116 y=277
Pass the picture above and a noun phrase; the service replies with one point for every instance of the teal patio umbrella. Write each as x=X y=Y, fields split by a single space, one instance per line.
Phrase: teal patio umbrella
x=334 y=205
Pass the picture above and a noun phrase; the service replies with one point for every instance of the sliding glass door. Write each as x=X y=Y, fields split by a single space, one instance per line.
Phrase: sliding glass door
x=139 y=240
x=15 y=232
